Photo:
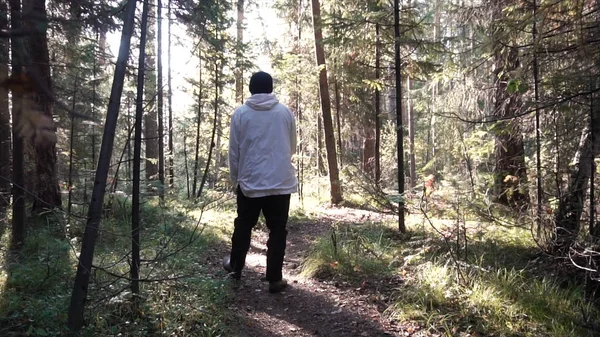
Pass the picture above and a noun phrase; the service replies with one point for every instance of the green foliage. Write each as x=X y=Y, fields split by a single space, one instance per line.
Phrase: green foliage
x=188 y=300
x=503 y=287
x=351 y=253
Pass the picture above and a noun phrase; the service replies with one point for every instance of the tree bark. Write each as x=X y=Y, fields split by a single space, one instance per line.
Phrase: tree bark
x=18 y=176
x=198 y=124
x=570 y=209
x=377 y=105
x=334 y=180
x=71 y=142
x=185 y=163
x=159 y=101
x=46 y=183
x=538 y=156
x=170 y=102
x=239 y=69
x=5 y=139
x=84 y=267
x=137 y=152
x=399 y=126
x=338 y=115
x=411 y=135
x=150 y=115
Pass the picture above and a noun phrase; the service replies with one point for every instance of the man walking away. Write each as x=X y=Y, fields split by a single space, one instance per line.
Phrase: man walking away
x=261 y=143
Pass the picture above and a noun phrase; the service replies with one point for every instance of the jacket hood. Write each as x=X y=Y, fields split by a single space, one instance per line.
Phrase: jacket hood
x=262 y=102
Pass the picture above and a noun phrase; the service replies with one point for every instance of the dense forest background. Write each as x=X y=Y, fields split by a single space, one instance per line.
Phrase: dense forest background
x=473 y=126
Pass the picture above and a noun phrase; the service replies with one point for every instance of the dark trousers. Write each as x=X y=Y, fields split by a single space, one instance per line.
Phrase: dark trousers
x=275 y=209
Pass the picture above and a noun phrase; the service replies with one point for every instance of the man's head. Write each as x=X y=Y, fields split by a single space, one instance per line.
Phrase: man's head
x=261 y=83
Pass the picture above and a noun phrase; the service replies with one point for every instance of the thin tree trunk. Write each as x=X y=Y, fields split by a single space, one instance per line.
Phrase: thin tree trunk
x=46 y=182
x=185 y=162
x=299 y=106
x=338 y=113
x=159 y=101
x=137 y=152
x=334 y=180
x=428 y=153
x=150 y=115
x=239 y=69
x=411 y=134
x=170 y=102
x=593 y=136
x=218 y=157
x=94 y=94
x=436 y=88
x=214 y=130
x=129 y=127
x=570 y=209
x=399 y=126
x=5 y=139
x=377 y=105
x=18 y=176
x=320 y=166
x=198 y=123
x=538 y=163
x=71 y=141
x=84 y=267
x=113 y=188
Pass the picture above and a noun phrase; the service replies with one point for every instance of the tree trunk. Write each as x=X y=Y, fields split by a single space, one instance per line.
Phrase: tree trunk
x=71 y=141
x=320 y=165
x=510 y=172
x=150 y=116
x=411 y=134
x=377 y=106
x=299 y=105
x=84 y=267
x=399 y=126
x=170 y=102
x=214 y=130
x=159 y=101
x=46 y=183
x=538 y=156
x=239 y=69
x=198 y=124
x=18 y=176
x=338 y=115
x=185 y=162
x=218 y=157
x=5 y=140
x=335 y=184
x=570 y=209
x=137 y=152
x=368 y=155
x=130 y=128
x=96 y=61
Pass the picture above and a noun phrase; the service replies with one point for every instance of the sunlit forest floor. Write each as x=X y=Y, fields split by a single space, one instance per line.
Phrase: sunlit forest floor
x=351 y=274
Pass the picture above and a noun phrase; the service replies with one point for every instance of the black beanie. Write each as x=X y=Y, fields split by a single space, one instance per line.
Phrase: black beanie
x=261 y=83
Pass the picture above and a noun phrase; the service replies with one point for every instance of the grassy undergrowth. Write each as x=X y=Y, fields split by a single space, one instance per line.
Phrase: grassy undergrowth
x=179 y=297
x=501 y=286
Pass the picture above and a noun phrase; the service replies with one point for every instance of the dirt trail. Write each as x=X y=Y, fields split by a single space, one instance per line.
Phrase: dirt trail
x=308 y=307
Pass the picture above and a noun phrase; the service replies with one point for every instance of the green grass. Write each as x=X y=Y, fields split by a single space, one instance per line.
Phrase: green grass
x=351 y=253
x=185 y=299
x=502 y=287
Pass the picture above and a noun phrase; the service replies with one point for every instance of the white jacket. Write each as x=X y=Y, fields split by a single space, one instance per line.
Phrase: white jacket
x=262 y=140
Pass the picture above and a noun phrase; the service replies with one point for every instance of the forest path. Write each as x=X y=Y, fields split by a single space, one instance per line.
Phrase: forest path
x=310 y=307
